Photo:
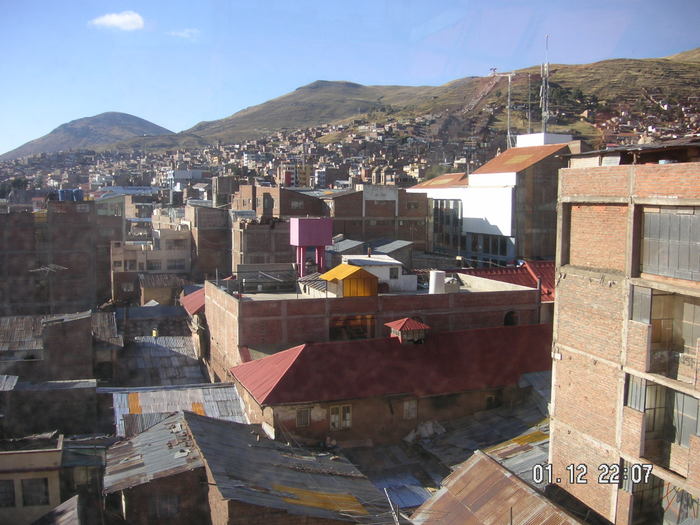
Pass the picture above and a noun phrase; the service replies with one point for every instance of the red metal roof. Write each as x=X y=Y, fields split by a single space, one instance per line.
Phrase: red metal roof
x=194 y=302
x=448 y=362
x=525 y=275
x=407 y=324
x=518 y=159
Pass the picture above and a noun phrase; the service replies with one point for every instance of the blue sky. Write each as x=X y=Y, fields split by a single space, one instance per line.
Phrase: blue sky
x=178 y=62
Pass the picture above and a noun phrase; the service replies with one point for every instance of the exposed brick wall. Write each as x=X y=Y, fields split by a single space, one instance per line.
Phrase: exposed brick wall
x=623 y=515
x=586 y=395
x=602 y=182
x=590 y=314
x=570 y=448
x=672 y=180
x=632 y=432
x=188 y=487
x=598 y=236
x=638 y=344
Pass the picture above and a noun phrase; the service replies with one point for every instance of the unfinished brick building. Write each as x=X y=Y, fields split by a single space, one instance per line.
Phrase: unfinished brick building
x=627 y=322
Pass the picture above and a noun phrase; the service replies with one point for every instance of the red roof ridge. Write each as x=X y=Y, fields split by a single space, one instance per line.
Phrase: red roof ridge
x=298 y=348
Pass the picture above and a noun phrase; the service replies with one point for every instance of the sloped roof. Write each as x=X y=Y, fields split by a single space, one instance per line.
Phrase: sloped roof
x=407 y=324
x=163 y=360
x=525 y=275
x=193 y=303
x=448 y=362
x=160 y=280
x=518 y=159
x=482 y=492
x=136 y=409
x=343 y=271
x=266 y=473
x=161 y=451
x=448 y=180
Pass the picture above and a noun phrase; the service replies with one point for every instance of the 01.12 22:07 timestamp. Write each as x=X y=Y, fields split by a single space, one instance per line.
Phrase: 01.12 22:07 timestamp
x=608 y=474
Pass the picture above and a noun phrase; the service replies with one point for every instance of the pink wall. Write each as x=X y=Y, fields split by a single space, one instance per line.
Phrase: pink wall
x=307 y=231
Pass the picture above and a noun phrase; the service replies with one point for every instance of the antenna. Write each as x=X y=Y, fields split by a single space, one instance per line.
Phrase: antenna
x=544 y=89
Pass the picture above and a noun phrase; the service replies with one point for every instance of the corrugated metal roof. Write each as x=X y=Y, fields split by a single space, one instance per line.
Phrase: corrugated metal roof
x=344 y=245
x=163 y=450
x=164 y=360
x=483 y=492
x=525 y=275
x=517 y=159
x=392 y=246
x=220 y=401
x=67 y=384
x=447 y=362
x=104 y=328
x=21 y=333
x=160 y=280
x=266 y=473
x=448 y=180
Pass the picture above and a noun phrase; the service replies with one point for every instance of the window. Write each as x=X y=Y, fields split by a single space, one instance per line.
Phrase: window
x=393 y=273
x=297 y=205
x=7 y=493
x=670 y=238
x=635 y=392
x=410 y=409
x=127 y=287
x=176 y=264
x=153 y=265
x=412 y=205
x=341 y=417
x=685 y=417
x=303 y=417
x=35 y=491
x=130 y=264
x=655 y=409
x=117 y=264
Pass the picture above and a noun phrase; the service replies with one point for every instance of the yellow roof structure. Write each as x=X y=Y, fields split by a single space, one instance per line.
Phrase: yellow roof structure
x=340 y=272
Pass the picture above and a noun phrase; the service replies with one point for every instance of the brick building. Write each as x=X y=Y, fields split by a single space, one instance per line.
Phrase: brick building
x=52 y=257
x=211 y=241
x=321 y=390
x=246 y=320
x=626 y=387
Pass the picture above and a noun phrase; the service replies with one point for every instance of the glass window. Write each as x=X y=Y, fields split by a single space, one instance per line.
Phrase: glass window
x=634 y=392
x=153 y=265
x=303 y=417
x=341 y=417
x=393 y=273
x=335 y=418
x=346 y=421
x=7 y=493
x=35 y=491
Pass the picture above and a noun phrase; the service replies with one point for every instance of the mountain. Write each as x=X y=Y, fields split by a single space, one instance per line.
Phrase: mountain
x=324 y=101
x=88 y=133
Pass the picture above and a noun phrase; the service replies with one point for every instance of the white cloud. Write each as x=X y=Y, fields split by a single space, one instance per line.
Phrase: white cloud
x=188 y=34
x=126 y=21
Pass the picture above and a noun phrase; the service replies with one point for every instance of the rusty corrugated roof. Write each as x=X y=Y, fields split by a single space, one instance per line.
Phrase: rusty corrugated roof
x=448 y=180
x=482 y=492
x=518 y=159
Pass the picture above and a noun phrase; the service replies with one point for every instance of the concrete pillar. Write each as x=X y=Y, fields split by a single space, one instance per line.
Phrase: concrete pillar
x=300 y=261
x=320 y=258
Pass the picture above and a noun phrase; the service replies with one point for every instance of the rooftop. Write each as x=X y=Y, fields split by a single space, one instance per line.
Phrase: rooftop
x=135 y=409
x=163 y=450
x=339 y=370
x=518 y=159
x=448 y=180
x=250 y=468
x=164 y=360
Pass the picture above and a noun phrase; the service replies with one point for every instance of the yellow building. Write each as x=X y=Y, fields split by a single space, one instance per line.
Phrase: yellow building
x=346 y=280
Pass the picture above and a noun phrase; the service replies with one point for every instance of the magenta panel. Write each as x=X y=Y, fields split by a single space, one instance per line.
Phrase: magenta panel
x=308 y=231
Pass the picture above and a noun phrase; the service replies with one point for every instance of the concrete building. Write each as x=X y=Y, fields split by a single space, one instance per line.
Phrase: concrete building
x=625 y=438
x=211 y=241
x=29 y=477
x=505 y=210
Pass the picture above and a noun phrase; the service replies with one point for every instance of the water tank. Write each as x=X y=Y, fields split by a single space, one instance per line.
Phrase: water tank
x=78 y=195
x=65 y=195
x=437 y=282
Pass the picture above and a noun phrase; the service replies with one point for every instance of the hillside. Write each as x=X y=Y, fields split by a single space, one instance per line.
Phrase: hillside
x=88 y=133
